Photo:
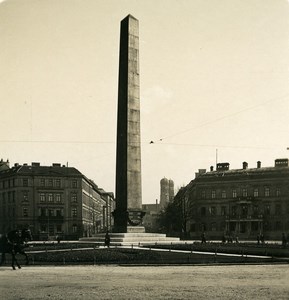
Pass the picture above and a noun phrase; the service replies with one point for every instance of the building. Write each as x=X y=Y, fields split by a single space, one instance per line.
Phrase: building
x=151 y=215
x=167 y=192
x=52 y=200
x=244 y=202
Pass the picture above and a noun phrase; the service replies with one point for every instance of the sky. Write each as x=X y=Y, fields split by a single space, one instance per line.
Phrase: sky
x=213 y=85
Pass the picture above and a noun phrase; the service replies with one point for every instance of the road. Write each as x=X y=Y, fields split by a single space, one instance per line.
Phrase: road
x=145 y=282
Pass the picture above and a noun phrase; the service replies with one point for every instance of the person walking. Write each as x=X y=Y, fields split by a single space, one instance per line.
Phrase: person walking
x=107 y=240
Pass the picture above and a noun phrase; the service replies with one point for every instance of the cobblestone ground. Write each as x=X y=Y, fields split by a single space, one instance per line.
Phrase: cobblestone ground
x=145 y=282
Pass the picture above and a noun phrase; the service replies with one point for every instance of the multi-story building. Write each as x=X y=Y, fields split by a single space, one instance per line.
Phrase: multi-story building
x=151 y=216
x=52 y=200
x=244 y=202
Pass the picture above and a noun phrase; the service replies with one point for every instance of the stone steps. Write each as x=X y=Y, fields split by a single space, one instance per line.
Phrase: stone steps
x=132 y=238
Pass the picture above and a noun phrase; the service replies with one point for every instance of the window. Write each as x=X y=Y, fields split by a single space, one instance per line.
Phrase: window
x=254 y=226
x=278 y=209
x=203 y=227
x=223 y=210
x=267 y=192
x=42 y=182
x=43 y=228
x=42 y=212
x=244 y=210
x=42 y=197
x=24 y=211
x=256 y=192
x=267 y=209
x=58 y=228
x=255 y=210
x=74 y=197
x=50 y=212
x=57 y=183
x=234 y=210
x=222 y=226
x=74 y=212
x=203 y=195
x=278 y=192
x=50 y=198
x=74 y=228
x=50 y=182
x=213 y=194
x=234 y=193
x=244 y=193
x=224 y=194
x=267 y=226
x=193 y=227
x=25 y=197
x=74 y=183
x=212 y=210
x=278 y=225
x=203 y=211
x=58 y=198
x=58 y=213
x=25 y=182
x=214 y=226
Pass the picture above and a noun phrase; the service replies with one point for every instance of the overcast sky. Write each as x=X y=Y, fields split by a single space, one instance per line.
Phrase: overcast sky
x=213 y=73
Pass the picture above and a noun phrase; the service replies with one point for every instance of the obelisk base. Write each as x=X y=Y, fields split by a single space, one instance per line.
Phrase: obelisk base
x=135 y=229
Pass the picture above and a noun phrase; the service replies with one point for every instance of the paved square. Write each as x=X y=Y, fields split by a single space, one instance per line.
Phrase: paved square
x=145 y=282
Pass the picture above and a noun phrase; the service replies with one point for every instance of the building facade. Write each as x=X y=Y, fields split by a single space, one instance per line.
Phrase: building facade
x=53 y=201
x=241 y=203
x=151 y=216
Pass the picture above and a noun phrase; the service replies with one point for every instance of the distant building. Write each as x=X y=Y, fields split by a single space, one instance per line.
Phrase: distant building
x=244 y=202
x=52 y=200
x=167 y=192
x=150 y=219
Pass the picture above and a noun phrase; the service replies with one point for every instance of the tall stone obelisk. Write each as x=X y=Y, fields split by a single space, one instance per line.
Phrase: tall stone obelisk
x=128 y=213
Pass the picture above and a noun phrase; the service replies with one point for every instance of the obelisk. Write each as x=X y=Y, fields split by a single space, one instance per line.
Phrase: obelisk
x=128 y=213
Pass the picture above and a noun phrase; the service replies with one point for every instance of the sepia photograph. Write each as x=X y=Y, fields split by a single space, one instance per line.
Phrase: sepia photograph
x=144 y=149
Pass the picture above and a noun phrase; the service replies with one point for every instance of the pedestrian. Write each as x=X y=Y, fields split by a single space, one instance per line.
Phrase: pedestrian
x=284 y=240
x=58 y=239
x=203 y=238
x=262 y=239
x=258 y=239
x=107 y=240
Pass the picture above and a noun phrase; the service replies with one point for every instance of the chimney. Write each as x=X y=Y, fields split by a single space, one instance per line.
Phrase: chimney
x=258 y=164
x=245 y=165
x=211 y=168
x=281 y=162
x=223 y=166
x=56 y=165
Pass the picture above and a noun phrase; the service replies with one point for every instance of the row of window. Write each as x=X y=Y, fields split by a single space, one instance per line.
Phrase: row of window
x=241 y=227
x=7 y=183
x=44 y=182
x=9 y=197
x=48 y=212
x=50 y=197
x=55 y=228
x=243 y=193
x=56 y=197
x=242 y=210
